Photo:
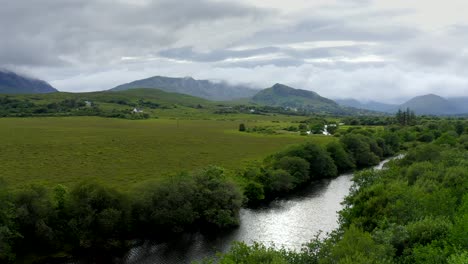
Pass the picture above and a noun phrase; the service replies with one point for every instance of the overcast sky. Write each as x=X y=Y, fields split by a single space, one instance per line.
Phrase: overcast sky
x=384 y=50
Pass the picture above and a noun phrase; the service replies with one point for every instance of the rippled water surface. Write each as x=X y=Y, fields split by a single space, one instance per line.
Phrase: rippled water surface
x=288 y=222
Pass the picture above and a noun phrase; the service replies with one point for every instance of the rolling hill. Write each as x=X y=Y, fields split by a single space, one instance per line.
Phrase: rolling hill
x=131 y=104
x=13 y=83
x=218 y=91
x=288 y=97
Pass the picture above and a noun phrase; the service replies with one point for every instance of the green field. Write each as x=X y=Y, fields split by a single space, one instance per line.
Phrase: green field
x=122 y=152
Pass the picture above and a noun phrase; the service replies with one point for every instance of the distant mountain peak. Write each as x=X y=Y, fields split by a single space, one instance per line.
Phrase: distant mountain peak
x=280 y=85
x=14 y=83
x=431 y=104
x=188 y=85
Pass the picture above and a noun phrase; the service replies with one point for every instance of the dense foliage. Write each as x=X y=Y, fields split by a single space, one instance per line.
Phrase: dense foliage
x=13 y=107
x=292 y=168
x=93 y=217
x=414 y=211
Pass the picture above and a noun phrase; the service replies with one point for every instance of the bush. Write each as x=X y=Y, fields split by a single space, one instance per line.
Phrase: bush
x=321 y=164
x=216 y=200
x=98 y=216
x=341 y=158
x=242 y=127
x=296 y=167
x=360 y=148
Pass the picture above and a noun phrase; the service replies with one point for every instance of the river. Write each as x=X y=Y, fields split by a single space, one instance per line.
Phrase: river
x=286 y=222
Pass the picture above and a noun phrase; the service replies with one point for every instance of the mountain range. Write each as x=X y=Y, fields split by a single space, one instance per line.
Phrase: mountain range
x=429 y=104
x=13 y=83
x=278 y=95
x=218 y=91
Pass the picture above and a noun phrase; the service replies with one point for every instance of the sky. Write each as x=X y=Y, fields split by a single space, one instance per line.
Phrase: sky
x=384 y=50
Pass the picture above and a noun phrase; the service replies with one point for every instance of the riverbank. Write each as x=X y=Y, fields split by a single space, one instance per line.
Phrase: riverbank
x=281 y=222
x=92 y=217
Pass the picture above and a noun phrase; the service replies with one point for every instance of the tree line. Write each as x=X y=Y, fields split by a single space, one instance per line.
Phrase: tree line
x=414 y=211
x=39 y=221
x=91 y=217
x=13 y=107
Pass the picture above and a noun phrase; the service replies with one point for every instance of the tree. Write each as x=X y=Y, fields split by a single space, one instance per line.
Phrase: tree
x=34 y=217
x=359 y=147
x=98 y=216
x=342 y=159
x=357 y=246
x=321 y=164
x=165 y=207
x=303 y=127
x=254 y=192
x=8 y=232
x=297 y=167
x=216 y=200
x=279 y=182
x=405 y=118
x=448 y=138
x=242 y=127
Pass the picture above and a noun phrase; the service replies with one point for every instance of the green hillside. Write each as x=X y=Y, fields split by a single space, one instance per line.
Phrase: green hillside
x=148 y=102
x=122 y=97
x=300 y=100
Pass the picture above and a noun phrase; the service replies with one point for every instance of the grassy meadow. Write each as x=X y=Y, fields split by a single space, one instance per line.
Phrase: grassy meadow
x=121 y=153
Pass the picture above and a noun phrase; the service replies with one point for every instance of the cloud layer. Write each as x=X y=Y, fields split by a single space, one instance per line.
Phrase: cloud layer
x=368 y=49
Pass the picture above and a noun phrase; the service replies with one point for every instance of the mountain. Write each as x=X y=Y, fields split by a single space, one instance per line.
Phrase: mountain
x=369 y=105
x=431 y=104
x=285 y=96
x=13 y=83
x=221 y=91
x=460 y=102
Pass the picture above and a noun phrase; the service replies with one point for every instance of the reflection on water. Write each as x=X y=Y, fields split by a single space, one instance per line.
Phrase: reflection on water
x=288 y=222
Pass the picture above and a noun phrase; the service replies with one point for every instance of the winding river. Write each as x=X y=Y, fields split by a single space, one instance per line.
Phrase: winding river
x=288 y=222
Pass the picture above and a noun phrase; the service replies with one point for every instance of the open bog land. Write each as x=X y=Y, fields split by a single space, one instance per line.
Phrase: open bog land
x=121 y=153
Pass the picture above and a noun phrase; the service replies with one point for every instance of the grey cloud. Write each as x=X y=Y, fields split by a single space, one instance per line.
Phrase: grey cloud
x=290 y=55
x=278 y=62
x=214 y=55
x=428 y=56
x=77 y=45
x=51 y=32
x=333 y=30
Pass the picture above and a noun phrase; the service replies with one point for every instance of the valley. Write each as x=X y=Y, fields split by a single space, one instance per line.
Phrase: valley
x=118 y=152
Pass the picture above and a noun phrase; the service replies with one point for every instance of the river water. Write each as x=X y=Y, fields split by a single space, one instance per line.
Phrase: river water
x=287 y=222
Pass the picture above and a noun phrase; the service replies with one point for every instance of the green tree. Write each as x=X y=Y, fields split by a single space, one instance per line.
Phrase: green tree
x=34 y=217
x=8 y=232
x=297 y=167
x=342 y=159
x=217 y=200
x=358 y=247
x=254 y=192
x=242 y=127
x=321 y=164
x=359 y=147
x=98 y=216
x=162 y=207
